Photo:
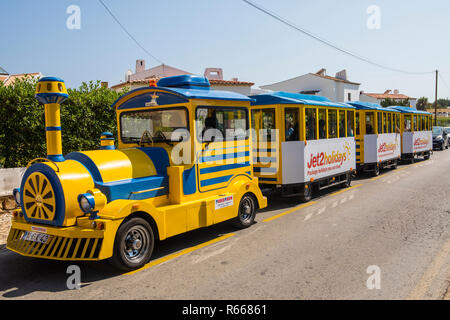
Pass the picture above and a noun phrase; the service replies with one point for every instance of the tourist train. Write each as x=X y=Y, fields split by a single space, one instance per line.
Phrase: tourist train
x=188 y=157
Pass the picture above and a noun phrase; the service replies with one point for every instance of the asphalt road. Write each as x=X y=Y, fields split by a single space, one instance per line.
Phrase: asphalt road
x=394 y=229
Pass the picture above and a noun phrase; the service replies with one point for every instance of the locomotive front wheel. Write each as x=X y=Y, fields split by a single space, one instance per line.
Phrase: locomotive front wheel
x=246 y=212
x=133 y=245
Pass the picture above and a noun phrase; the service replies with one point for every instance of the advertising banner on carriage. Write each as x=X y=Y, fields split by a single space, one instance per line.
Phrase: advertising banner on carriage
x=317 y=159
x=381 y=147
x=417 y=141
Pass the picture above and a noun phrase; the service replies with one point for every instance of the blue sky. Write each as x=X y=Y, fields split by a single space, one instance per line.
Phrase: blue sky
x=247 y=44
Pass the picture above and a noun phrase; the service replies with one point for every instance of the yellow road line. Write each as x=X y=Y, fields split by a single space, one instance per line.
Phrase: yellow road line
x=376 y=178
x=180 y=253
x=290 y=211
x=431 y=273
x=344 y=190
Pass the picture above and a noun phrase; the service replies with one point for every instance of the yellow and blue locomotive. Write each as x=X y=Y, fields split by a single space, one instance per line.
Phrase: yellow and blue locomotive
x=182 y=163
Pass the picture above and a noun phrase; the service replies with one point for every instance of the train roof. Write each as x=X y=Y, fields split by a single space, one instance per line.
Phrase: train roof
x=185 y=87
x=362 y=105
x=404 y=109
x=281 y=97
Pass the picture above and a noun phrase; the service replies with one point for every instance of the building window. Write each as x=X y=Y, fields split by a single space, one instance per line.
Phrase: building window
x=349 y=96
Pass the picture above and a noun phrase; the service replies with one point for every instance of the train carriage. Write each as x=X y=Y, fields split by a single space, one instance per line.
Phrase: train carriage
x=302 y=142
x=378 y=140
x=415 y=129
x=182 y=163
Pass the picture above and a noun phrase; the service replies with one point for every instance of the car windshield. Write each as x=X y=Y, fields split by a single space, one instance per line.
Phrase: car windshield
x=153 y=125
x=437 y=131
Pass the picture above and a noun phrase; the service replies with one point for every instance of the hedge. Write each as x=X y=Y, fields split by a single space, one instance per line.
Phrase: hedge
x=84 y=116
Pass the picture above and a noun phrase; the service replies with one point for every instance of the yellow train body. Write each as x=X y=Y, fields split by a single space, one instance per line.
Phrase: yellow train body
x=176 y=185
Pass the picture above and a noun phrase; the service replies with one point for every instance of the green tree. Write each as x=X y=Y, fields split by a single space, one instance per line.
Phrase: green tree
x=84 y=116
x=422 y=103
x=392 y=102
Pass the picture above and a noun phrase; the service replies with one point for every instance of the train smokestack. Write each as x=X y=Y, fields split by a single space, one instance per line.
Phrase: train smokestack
x=51 y=92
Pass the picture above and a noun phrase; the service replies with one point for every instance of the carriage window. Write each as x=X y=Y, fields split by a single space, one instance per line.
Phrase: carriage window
x=310 y=123
x=357 y=123
x=218 y=124
x=158 y=124
x=350 y=123
x=423 y=126
x=389 y=122
x=341 y=124
x=385 y=122
x=407 y=122
x=322 y=124
x=370 y=121
x=415 y=123
x=291 y=125
x=397 y=123
x=380 y=122
x=268 y=124
x=332 y=124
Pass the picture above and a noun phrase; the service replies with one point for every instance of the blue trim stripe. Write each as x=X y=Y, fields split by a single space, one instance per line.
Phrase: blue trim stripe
x=224 y=167
x=264 y=150
x=208 y=182
x=52 y=128
x=56 y=157
x=358 y=146
x=265 y=159
x=265 y=170
x=225 y=156
x=267 y=179
x=358 y=153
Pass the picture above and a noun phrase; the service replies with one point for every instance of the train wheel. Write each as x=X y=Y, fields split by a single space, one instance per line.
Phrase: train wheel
x=133 y=245
x=395 y=165
x=376 y=171
x=306 y=195
x=246 y=212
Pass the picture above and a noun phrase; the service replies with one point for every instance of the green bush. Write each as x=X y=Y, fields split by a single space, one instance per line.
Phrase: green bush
x=84 y=116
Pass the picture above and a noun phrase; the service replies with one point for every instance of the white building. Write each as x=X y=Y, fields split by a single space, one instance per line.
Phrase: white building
x=337 y=88
x=142 y=76
x=378 y=97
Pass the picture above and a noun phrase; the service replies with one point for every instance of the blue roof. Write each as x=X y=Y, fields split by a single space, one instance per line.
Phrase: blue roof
x=55 y=79
x=362 y=105
x=404 y=109
x=281 y=97
x=184 y=81
x=183 y=94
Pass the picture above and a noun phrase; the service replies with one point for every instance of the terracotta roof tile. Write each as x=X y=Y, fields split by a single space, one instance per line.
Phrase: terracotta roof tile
x=388 y=96
x=334 y=78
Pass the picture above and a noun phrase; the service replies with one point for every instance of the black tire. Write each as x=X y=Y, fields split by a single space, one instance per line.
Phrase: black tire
x=376 y=172
x=306 y=195
x=133 y=245
x=426 y=156
x=348 y=181
x=246 y=212
x=395 y=165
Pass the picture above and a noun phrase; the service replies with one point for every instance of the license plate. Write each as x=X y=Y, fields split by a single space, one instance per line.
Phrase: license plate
x=36 y=237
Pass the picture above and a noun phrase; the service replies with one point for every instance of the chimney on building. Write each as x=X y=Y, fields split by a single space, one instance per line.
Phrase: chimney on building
x=140 y=66
x=104 y=84
x=128 y=75
x=322 y=72
x=387 y=92
x=234 y=79
x=396 y=91
x=214 y=73
x=342 y=75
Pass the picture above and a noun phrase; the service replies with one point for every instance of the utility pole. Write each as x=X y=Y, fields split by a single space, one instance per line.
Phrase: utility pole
x=435 y=100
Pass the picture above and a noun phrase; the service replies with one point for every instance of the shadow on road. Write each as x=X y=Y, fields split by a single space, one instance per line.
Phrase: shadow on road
x=20 y=276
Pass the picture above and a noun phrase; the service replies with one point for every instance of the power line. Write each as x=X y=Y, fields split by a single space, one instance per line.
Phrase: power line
x=128 y=33
x=326 y=42
x=443 y=80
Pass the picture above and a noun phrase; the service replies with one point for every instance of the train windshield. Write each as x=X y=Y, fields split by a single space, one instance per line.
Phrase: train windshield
x=154 y=125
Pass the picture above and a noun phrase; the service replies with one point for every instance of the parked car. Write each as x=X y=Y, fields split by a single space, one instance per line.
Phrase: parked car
x=440 y=138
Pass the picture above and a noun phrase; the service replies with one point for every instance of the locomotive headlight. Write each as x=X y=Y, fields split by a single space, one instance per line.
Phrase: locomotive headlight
x=86 y=202
x=92 y=200
x=16 y=194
